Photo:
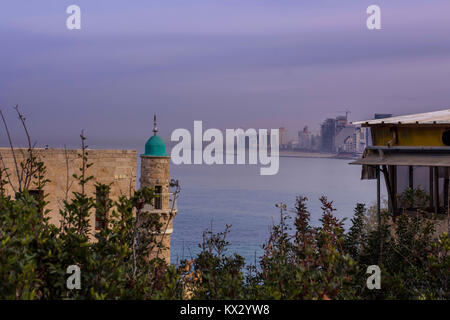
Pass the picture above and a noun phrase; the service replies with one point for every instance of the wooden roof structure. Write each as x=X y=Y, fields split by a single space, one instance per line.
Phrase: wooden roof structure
x=415 y=140
x=435 y=117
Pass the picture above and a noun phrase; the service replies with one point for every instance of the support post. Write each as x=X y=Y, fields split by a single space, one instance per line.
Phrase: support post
x=393 y=179
x=446 y=183
x=411 y=177
x=378 y=197
x=431 y=189
x=436 y=190
x=387 y=180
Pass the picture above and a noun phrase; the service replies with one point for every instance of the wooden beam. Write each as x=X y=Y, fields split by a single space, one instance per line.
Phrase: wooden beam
x=388 y=187
x=393 y=180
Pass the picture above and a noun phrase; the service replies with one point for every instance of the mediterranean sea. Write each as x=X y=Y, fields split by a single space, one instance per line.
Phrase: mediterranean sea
x=238 y=195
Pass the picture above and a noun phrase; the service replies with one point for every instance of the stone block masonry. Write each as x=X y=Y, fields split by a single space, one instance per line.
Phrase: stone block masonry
x=114 y=167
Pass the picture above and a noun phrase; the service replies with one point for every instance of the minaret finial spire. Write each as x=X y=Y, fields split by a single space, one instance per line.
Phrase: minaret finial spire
x=155 y=129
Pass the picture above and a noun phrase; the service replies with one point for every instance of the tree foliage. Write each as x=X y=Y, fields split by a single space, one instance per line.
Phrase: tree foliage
x=299 y=261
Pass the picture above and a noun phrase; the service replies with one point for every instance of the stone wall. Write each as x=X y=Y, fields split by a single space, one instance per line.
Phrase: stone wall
x=155 y=172
x=115 y=167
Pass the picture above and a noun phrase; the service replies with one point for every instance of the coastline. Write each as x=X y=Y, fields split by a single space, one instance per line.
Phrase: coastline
x=303 y=154
x=306 y=154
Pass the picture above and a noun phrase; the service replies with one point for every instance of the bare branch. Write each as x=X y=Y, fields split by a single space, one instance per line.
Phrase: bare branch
x=30 y=163
x=5 y=169
x=67 y=172
x=12 y=150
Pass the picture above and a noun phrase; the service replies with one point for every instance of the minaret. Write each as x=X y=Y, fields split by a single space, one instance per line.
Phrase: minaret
x=155 y=175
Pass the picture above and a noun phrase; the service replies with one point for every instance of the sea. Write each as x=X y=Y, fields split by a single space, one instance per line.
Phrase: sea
x=213 y=196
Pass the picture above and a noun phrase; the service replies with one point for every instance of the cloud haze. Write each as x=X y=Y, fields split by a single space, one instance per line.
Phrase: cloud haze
x=231 y=64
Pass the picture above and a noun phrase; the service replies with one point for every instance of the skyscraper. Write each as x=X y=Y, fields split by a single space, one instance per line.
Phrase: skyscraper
x=328 y=132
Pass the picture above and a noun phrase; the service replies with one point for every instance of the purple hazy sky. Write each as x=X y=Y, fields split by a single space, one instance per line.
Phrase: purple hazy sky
x=230 y=63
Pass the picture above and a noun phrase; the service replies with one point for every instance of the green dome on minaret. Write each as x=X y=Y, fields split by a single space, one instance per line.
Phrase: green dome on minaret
x=155 y=146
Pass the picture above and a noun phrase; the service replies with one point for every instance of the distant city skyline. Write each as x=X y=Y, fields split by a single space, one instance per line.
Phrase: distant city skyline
x=231 y=64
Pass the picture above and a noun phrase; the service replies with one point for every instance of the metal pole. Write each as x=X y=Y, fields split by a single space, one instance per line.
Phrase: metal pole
x=446 y=184
x=378 y=197
x=431 y=189
x=436 y=190
x=411 y=177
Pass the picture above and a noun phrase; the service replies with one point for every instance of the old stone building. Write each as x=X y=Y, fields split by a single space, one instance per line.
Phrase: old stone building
x=116 y=168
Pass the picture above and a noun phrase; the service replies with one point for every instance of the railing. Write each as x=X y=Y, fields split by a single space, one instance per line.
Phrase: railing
x=173 y=201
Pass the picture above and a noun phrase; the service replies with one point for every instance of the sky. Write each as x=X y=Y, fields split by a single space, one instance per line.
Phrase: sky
x=229 y=63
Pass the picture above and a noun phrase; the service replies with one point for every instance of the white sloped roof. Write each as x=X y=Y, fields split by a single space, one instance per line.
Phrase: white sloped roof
x=439 y=117
x=413 y=159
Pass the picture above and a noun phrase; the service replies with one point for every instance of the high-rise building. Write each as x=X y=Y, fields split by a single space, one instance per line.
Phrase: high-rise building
x=341 y=122
x=344 y=140
x=327 y=133
x=304 y=139
x=283 y=138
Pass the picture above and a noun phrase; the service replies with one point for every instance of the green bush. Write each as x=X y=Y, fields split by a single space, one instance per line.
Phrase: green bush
x=299 y=261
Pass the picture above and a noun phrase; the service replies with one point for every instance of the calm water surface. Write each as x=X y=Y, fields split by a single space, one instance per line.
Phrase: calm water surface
x=240 y=196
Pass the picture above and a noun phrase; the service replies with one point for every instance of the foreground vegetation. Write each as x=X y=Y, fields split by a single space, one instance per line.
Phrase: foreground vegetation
x=299 y=261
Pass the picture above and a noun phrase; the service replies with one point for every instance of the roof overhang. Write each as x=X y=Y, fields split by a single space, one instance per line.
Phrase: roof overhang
x=441 y=117
x=405 y=159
